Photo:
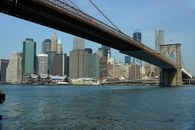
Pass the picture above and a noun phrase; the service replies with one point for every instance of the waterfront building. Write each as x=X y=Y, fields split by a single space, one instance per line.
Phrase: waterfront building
x=78 y=66
x=14 y=69
x=45 y=46
x=29 y=57
x=134 y=72
x=159 y=39
x=53 y=47
x=94 y=66
x=59 y=47
x=78 y=43
x=3 y=66
x=42 y=63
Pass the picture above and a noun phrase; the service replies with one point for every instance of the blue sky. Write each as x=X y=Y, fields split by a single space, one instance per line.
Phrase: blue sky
x=175 y=17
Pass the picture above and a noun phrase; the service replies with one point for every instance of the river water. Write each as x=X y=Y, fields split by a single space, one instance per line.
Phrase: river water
x=97 y=108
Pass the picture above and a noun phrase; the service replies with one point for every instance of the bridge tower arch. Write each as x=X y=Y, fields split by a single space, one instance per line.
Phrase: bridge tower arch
x=171 y=77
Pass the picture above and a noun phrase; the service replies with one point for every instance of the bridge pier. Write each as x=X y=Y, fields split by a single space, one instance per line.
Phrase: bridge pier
x=171 y=77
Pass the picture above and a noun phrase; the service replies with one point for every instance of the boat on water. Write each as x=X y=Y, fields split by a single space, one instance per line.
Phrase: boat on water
x=62 y=83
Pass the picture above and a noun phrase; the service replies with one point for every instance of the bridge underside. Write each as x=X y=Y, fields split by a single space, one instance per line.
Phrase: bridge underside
x=51 y=16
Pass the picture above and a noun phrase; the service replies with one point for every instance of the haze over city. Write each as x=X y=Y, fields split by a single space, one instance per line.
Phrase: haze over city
x=176 y=18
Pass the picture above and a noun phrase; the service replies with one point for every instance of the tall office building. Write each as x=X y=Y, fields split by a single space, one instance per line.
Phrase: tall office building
x=59 y=47
x=138 y=37
x=3 y=66
x=57 y=66
x=29 y=57
x=106 y=51
x=66 y=65
x=127 y=59
x=45 y=46
x=159 y=39
x=42 y=63
x=14 y=69
x=94 y=66
x=53 y=46
x=78 y=44
x=134 y=72
x=79 y=61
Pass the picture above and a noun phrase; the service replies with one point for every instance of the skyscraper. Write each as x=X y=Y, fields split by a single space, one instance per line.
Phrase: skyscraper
x=54 y=43
x=106 y=51
x=58 y=65
x=29 y=57
x=138 y=37
x=79 y=59
x=159 y=39
x=42 y=63
x=3 y=66
x=78 y=44
x=127 y=59
x=59 y=47
x=94 y=66
x=14 y=69
x=45 y=46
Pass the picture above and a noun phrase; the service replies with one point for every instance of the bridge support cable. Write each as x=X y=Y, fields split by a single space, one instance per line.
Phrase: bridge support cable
x=104 y=15
x=73 y=4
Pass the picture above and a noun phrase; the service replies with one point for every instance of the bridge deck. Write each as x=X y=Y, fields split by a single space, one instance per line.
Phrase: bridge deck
x=68 y=20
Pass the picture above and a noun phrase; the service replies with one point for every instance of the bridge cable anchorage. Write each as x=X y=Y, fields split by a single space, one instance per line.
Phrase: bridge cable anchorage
x=104 y=16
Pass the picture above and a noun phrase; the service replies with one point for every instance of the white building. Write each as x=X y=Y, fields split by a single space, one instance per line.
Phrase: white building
x=14 y=69
x=42 y=63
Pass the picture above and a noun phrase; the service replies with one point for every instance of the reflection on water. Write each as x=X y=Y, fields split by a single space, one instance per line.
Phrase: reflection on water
x=97 y=107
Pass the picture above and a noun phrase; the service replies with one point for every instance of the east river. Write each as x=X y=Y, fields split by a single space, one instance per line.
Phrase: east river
x=29 y=107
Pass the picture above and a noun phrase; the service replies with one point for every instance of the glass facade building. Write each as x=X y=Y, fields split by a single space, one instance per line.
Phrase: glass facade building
x=29 y=57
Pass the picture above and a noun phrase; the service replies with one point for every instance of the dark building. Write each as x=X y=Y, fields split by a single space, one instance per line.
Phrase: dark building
x=103 y=67
x=89 y=50
x=127 y=59
x=3 y=66
x=57 y=66
x=137 y=36
x=106 y=51
x=45 y=46
x=51 y=55
x=66 y=65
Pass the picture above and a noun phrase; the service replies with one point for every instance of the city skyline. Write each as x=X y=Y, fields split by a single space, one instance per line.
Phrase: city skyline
x=176 y=21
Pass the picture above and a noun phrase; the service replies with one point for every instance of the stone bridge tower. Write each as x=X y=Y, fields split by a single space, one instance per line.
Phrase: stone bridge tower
x=171 y=77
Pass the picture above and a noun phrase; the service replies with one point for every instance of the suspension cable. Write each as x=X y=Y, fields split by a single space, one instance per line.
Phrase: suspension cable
x=73 y=4
x=104 y=15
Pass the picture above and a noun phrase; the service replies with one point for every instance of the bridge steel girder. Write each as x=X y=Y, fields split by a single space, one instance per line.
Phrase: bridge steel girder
x=44 y=13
